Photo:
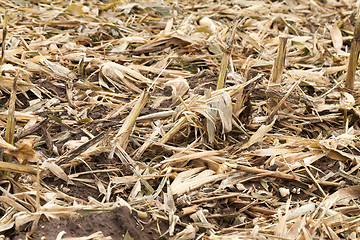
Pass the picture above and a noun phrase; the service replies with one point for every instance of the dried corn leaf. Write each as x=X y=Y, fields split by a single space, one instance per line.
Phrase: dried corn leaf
x=257 y=136
x=193 y=179
x=336 y=37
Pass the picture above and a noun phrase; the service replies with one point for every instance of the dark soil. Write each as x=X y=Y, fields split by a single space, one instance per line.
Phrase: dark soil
x=114 y=224
x=77 y=190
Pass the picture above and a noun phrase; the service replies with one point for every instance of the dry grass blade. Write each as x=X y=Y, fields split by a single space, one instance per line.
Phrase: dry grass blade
x=220 y=108
x=123 y=134
x=257 y=136
x=315 y=181
x=147 y=143
x=27 y=131
x=223 y=69
x=116 y=73
x=336 y=37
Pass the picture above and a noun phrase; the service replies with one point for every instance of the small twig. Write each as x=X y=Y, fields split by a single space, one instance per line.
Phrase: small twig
x=314 y=180
x=38 y=185
x=155 y=80
x=244 y=204
x=216 y=198
x=268 y=173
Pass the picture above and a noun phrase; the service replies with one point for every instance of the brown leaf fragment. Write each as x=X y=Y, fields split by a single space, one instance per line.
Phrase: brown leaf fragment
x=56 y=170
x=343 y=196
x=24 y=152
x=48 y=140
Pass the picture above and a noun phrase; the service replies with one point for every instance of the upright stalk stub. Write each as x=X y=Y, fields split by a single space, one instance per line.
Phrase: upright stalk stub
x=354 y=55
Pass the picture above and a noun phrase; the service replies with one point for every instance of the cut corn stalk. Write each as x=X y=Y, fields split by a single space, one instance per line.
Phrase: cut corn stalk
x=223 y=69
x=354 y=55
x=17 y=168
x=226 y=57
x=5 y=30
x=279 y=63
x=10 y=123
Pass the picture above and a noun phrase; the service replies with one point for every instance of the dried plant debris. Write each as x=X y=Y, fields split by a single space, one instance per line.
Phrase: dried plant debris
x=179 y=119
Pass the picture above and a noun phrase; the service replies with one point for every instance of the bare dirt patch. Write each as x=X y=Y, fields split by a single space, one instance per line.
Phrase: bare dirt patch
x=115 y=224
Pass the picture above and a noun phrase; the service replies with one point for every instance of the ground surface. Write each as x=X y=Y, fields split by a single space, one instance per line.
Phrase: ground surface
x=115 y=224
x=179 y=120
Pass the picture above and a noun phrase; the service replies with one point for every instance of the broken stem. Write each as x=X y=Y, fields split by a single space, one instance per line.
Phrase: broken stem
x=226 y=56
